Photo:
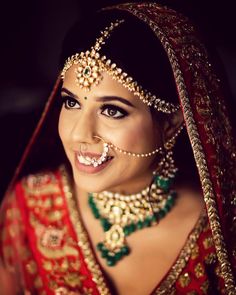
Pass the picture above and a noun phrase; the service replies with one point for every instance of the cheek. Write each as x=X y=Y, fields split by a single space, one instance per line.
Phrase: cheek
x=63 y=127
x=137 y=136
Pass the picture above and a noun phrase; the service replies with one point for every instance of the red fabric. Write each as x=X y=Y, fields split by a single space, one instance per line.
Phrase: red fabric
x=50 y=267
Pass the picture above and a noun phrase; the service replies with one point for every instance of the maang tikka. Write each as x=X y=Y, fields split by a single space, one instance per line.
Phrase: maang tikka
x=91 y=64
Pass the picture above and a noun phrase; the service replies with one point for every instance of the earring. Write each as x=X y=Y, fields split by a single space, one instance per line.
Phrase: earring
x=166 y=169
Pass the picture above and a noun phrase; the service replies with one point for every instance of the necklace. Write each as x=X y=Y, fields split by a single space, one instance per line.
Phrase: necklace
x=121 y=215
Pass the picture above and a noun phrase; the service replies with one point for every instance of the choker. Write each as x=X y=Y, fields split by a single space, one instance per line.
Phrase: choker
x=121 y=215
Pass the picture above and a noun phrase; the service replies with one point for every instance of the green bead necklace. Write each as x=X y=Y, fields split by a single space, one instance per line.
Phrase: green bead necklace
x=121 y=215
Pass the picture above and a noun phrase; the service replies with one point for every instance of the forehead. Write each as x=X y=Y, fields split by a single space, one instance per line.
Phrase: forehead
x=106 y=87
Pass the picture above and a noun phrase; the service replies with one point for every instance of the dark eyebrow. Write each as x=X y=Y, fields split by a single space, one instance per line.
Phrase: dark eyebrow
x=69 y=93
x=115 y=98
x=102 y=98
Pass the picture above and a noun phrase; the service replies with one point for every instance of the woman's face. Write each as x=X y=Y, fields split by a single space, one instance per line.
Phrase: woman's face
x=113 y=113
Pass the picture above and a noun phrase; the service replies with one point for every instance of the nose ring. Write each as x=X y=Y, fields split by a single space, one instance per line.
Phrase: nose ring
x=104 y=155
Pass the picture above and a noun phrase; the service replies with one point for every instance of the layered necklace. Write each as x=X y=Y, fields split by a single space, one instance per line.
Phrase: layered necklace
x=121 y=215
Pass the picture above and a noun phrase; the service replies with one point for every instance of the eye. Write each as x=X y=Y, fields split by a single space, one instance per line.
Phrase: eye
x=113 y=111
x=70 y=103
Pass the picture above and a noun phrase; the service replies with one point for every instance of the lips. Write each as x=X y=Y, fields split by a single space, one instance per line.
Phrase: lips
x=91 y=162
x=94 y=160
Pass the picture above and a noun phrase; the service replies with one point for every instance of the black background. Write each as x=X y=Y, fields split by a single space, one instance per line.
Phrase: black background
x=31 y=35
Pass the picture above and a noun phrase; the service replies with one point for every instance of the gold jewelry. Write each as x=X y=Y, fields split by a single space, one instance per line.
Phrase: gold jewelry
x=121 y=215
x=91 y=65
x=86 y=160
x=166 y=167
x=168 y=145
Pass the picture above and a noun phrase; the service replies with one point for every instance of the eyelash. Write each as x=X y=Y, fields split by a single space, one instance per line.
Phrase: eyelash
x=67 y=99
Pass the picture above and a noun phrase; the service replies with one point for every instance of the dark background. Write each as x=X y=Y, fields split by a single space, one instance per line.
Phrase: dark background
x=31 y=35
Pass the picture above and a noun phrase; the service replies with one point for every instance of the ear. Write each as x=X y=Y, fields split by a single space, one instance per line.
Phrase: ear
x=171 y=124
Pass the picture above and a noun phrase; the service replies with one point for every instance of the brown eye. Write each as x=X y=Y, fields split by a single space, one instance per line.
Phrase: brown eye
x=111 y=112
x=114 y=112
x=70 y=103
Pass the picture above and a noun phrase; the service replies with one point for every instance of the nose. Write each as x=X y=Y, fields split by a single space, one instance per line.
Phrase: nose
x=84 y=128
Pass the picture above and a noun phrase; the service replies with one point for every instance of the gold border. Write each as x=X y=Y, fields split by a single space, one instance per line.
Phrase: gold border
x=98 y=277
x=166 y=285
x=207 y=187
x=82 y=237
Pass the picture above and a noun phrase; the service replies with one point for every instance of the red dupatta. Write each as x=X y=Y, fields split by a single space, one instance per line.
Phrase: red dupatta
x=206 y=120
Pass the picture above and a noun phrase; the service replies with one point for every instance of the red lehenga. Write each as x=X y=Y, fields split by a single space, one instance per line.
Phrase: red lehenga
x=44 y=234
x=42 y=237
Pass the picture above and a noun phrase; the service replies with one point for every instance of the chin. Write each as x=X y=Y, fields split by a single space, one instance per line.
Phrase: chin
x=90 y=183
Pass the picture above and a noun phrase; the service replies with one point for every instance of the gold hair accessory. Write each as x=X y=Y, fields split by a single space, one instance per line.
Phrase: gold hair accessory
x=91 y=65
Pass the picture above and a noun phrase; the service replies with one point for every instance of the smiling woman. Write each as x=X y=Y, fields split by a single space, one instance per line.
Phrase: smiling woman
x=96 y=205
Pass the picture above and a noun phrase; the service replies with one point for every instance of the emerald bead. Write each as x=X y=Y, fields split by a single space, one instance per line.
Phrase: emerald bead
x=166 y=209
x=161 y=213
x=105 y=224
x=132 y=227
x=100 y=246
x=96 y=214
x=139 y=225
x=153 y=218
x=118 y=256
x=125 y=250
x=170 y=201
x=111 y=261
x=163 y=183
x=126 y=230
x=147 y=222
x=105 y=253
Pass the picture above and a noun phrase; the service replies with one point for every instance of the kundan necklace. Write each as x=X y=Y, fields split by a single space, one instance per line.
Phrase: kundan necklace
x=121 y=215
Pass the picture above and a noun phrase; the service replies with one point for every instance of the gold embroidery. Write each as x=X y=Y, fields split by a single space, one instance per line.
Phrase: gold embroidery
x=52 y=238
x=55 y=215
x=210 y=258
x=47 y=265
x=13 y=213
x=204 y=287
x=64 y=265
x=73 y=280
x=59 y=201
x=57 y=253
x=184 y=280
x=38 y=283
x=65 y=291
x=208 y=242
x=60 y=252
x=75 y=265
x=49 y=189
x=88 y=291
x=82 y=237
x=195 y=252
x=199 y=270
x=31 y=267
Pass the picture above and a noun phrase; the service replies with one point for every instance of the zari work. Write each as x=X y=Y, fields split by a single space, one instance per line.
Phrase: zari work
x=61 y=258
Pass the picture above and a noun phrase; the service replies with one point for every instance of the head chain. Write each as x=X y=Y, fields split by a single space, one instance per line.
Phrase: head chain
x=91 y=65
